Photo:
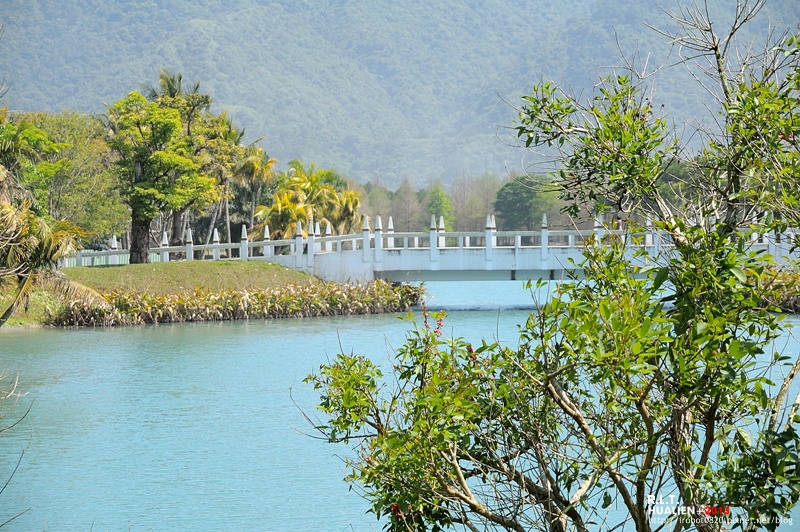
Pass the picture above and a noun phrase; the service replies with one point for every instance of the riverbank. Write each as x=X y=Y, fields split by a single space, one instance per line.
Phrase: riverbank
x=205 y=291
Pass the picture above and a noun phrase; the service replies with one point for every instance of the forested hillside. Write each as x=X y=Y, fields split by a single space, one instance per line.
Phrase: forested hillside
x=384 y=90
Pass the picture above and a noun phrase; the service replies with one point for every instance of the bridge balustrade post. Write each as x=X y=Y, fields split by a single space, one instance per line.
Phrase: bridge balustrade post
x=312 y=243
x=442 y=243
x=215 y=244
x=433 y=240
x=390 y=234
x=494 y=232
x=298 y=246
x=365 y=246
x=267 y=249
x=328 y=233
x=654 y=239
x=164 y=243
x=243 y=247
x=489 y=238
x=598 y=230
x=114 y=259
x=189 y=245
x=545 y=238
x=378 y=240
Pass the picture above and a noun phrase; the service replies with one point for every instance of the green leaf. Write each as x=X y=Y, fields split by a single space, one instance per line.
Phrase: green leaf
x=606 y=500
x=661 y=276
x=739 y=274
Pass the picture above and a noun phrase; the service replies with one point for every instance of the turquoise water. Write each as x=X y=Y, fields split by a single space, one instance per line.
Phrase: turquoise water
x=199 y=426
x=191 y=427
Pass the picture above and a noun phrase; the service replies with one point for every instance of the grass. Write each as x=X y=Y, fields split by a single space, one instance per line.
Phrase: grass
x=182 y=277
x=157 y=279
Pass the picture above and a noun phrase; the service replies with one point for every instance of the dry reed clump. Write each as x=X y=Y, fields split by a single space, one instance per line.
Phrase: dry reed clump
x=323 y=299
x=783 y=289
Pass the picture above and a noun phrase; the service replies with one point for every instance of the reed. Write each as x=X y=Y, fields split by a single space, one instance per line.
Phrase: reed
x=293 y=301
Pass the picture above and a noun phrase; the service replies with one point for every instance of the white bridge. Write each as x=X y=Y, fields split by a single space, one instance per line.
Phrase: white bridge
x=417 y=256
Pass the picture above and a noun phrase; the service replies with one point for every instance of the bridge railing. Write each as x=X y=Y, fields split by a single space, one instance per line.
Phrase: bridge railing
x=377 y=241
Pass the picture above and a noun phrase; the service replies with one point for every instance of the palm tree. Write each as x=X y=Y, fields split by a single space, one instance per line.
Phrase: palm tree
x=171 y=93
x=345 y=215
x=30 y=250
x=253 y=172
x=226 y=150
x=282 y=216
x=310 y=194
x=312 y=188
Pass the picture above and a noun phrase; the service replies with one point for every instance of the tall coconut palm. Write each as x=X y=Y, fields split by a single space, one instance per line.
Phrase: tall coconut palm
x=32 y=253
x=228 y=150
x=253 y=172
x=172 y=93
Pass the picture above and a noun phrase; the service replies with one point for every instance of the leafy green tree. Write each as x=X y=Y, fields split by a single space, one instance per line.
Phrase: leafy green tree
x=77 y=182
x=522 y=201
x=212 y=142
x=156 y=166
x=438 y=204
x=29 y=155
x=377 y=200
x=635 y=390
x=31 y=248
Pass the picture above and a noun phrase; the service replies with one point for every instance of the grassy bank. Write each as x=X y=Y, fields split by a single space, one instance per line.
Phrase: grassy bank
x=184 y=277
x=197 y=291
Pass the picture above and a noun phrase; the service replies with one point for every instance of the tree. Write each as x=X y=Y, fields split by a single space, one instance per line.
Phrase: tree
x=438 y=204
x=406 y=210
x=156 y=166
x=473 y=199
x=30 y=249
x=254 y=172
x=377 y=200
x=310 y=195
x=642 y=389
x=76 y=183
x=211 y=142
x=223 y=152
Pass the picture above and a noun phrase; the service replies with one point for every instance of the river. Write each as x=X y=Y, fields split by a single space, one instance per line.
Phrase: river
x=199 y=426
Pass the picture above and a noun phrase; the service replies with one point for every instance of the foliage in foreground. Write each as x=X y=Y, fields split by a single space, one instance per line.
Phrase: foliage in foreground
x=657 y=394
x=323 y=299
x=621 y=394
x=30 y=249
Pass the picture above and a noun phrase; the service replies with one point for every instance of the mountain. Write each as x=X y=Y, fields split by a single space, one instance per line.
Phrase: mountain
x=377 y=90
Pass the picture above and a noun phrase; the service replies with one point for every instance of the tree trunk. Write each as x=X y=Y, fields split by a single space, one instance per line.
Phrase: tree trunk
x=176 y=238
x=177 y=234
x=254 y=199
x=227 y=215
x=140 y=241
x=213 y=222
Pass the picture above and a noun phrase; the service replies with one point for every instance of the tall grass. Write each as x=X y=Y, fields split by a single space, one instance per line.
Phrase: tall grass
x=293 y=301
